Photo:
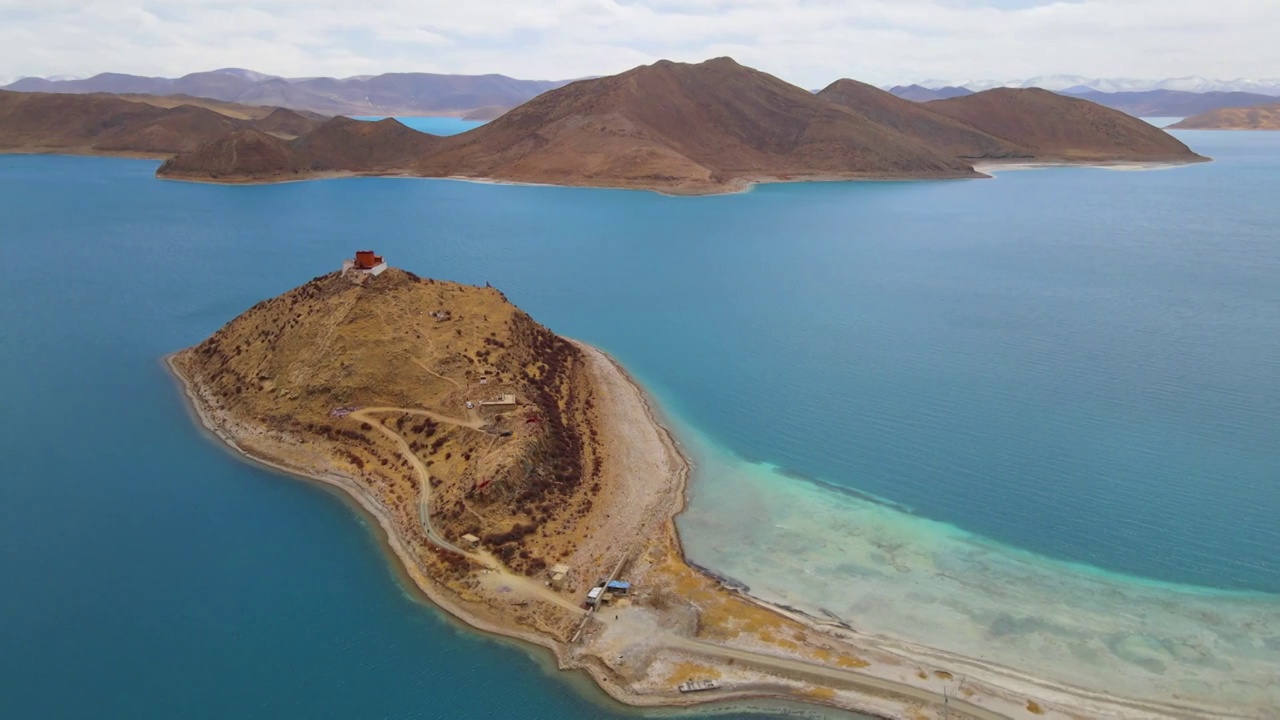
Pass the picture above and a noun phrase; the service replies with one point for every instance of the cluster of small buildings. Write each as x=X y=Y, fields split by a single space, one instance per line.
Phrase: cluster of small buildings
x=607 y=592
x=341 y=412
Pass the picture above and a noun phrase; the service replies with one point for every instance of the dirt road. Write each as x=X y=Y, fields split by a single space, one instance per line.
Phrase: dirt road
x=500 y=576
x=849 y=677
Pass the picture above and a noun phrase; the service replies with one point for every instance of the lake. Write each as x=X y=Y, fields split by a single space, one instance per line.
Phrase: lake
x=1037 y=415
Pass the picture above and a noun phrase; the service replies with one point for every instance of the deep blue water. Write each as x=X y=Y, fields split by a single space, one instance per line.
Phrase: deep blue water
x=1080 y=363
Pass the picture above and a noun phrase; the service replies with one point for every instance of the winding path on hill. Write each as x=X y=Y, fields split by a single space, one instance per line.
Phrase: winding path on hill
x=506 y=577
x=503 y=575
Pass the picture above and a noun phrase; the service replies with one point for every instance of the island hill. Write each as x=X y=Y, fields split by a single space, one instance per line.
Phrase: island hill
x=710 y=127
x=1260 y=117
x=525 y=485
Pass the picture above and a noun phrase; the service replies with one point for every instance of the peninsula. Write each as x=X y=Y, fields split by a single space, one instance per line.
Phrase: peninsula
x=713 y=127
x=528 y=488
x=678 y=128
x=1260 y=117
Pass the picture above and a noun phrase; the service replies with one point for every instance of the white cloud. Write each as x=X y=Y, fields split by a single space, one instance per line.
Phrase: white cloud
x=809 y=42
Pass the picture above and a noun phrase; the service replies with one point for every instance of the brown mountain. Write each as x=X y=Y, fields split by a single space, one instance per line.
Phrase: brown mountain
x=712 y=126
x=919 y=122
x=1058 y=128
x=1266 y=117
x=230 y=109
x=346 y=144
x=44 y=122
x=340 y=145
x=242 y=156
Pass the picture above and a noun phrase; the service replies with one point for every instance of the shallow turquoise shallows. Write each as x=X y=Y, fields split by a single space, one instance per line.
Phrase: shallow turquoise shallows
x=1074 y=373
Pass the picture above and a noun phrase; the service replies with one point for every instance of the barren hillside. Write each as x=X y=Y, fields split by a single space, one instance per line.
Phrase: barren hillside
x=1265 y=117
x=917 y=121
x=514 y=475
x=1055 y=127
x=679 y=126
x=34 y=122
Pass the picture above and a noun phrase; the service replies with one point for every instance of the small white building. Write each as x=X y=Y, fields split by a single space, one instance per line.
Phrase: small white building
x=558 y=575
x=502 y=403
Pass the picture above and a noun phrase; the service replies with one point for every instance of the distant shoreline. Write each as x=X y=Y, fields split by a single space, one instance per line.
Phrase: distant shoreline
x=738 y=186
x=983 y=170
x=992 y=167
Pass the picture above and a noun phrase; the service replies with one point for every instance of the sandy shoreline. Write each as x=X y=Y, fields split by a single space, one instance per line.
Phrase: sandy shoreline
x=735 y=187
x=997 y=687
x=444 y=601
x=994 y=167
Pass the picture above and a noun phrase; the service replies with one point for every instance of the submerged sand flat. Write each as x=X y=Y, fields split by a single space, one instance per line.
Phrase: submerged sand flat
x=889 y=573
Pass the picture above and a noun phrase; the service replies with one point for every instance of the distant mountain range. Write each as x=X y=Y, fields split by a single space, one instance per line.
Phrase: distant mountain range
x=1079 y=84
x=1258 y=117
x=1173 y=103
x=1143 y=103
x=919 y=93
x=389 y=94
x=137 y=125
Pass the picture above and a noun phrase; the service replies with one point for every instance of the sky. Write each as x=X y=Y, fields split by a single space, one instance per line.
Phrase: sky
x=808 y=42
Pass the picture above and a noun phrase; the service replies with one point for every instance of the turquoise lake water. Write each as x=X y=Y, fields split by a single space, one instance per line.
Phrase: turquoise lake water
x=1063 y=384
x=435 y=125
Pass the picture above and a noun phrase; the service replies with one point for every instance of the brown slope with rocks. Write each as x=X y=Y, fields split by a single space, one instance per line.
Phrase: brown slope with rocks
x=338 y=146
x=108 y=124
x=242 y=156
x=917 y=121
x=1265 y=117
x=708 y=127
x=1058 y=128
x=238 y=111
x=360 y=146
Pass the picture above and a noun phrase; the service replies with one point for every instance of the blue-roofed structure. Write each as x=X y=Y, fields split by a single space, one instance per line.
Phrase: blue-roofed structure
x=619 y=586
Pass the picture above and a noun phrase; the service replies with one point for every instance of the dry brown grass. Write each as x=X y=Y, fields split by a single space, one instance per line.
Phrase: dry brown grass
x=289 y=361
x=686 y=671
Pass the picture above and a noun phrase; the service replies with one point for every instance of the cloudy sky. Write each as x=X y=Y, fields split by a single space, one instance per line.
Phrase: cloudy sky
x=809 y=42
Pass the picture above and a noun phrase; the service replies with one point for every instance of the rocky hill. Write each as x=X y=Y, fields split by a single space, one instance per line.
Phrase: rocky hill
x=1265 y=117
x=286 y=375
x=43 y=122
x=917 y=121
x=680 y=127
x=339 y=145
x=1058 y=128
